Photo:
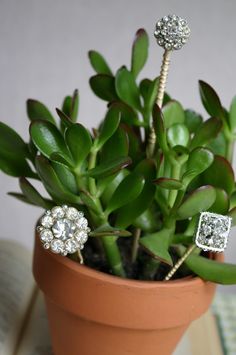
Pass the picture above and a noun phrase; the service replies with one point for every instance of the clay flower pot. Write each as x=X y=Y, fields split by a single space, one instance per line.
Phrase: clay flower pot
x=92 y=313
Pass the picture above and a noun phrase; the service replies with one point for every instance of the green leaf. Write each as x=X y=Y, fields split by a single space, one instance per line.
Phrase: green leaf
x=218 y=145
x=178 y=135
x=135 y=145
x=106 y=231
x=70 y=106
x=52 y=183
x=127 y=89
x=11 y=143
x=159 y=128
x=109 y=126
x=103 y=86
x=128 y=115
x=15 y=166
x=79 y=142
x=66 y=177
x=219 y=174
x=23 y=198
x=173 y=112
x=109 y=167
x=38 y=111
x=150 y=220
x=57 y=157
x=206 y=132
x=232 y=115
x=210 y=100
x=127 y=214
x=139 y=51
x=129 y=189
x=64 y=118
x=193 y=120
x=212 y=270
x=48 y=139
x=221 y=204
x=148 y=89
x=32 y=195
x=157 y=244
x=119 y=140
x=198 y=201
x=199 y=160
x=98 y=63
x=169 y=184
x=107 y=186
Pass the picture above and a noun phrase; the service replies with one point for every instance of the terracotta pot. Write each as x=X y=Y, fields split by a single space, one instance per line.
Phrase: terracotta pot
x=92 y=313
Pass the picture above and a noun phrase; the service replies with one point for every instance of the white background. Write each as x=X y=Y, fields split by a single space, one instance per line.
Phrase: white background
x=43 y=55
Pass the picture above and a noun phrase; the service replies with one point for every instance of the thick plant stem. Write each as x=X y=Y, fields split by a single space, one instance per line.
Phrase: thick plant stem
x=160 y=96
x=113 y=255
x=109 y=243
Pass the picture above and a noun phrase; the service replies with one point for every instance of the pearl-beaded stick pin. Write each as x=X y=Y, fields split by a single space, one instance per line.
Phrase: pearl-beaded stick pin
x=212 y=235
x=171 y=33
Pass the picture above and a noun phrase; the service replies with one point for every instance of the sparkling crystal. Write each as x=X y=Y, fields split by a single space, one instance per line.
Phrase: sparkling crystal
x=47 y=221
x=58 y=212
x=63 y=229
x=57 y=246
x=72 y=213
x=81 y=223
x=81 y=236
x=213 y=231
x=71 y=246
x=172 y=32
x=46 y=246
x=46 y=235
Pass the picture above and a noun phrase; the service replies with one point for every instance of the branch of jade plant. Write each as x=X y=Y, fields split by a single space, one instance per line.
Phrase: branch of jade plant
x=109 y=242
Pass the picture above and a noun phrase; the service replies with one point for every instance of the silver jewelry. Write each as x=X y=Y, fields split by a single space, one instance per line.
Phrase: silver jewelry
x=64 y=230
x=172 y=32
x=213 y=231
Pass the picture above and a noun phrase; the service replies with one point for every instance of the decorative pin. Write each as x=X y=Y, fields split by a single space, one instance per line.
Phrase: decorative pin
x=212 y=235
x=64 y=230
x=171 y=33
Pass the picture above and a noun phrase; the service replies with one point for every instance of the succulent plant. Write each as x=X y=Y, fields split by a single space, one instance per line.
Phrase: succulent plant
x=142 y=211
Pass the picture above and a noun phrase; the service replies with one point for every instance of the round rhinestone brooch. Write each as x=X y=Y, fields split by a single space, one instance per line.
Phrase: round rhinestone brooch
x=64 y=230
x=172 y=32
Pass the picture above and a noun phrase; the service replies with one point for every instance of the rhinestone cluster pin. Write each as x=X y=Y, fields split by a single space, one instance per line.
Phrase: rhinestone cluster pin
x=63 y=230
x=212 y=235
x=213 y=231
x=172 y=32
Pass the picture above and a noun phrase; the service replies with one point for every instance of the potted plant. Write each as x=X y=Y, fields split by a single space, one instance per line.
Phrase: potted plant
x=142 y=206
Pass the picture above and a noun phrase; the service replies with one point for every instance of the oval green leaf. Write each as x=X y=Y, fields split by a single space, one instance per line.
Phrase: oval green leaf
x=98 y=63
x=103 y=86
x=139 y=51
x=198 y=201
x=178 y=135
x=79 y=143
x=173 y=112
x=38 y=111
x=210 y=100
x=127 y=191
x=127 y=89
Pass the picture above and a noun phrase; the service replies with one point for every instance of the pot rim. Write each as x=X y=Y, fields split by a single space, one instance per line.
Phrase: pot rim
x=126 y=282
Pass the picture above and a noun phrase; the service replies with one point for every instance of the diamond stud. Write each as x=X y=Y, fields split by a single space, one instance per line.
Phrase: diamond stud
x=213 y=231
x=63 y=230
x=172 y=32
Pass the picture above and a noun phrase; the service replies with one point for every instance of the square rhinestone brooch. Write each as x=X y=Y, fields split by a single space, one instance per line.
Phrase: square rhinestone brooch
x=213 y=231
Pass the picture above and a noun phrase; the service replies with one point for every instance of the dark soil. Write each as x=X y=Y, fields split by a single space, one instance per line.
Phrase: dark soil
x=94 y=258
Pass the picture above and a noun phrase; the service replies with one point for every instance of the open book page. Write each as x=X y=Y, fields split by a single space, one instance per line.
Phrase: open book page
x=16 y=288
x=36 y=340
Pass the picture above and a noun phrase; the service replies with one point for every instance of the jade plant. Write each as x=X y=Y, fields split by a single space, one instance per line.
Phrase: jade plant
x=142 y=209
